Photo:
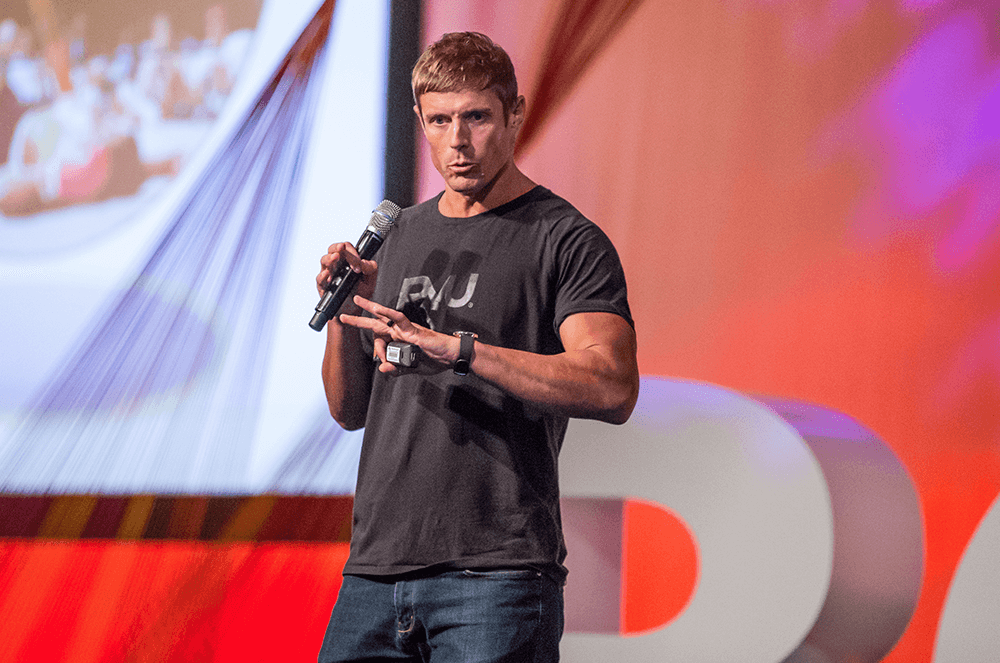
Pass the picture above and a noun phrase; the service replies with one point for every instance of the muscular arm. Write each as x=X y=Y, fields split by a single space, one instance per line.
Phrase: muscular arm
x=596 y=377
x=347 y=375
x=347 y=368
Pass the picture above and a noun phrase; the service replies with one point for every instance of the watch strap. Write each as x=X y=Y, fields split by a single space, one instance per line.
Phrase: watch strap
x=466 y=343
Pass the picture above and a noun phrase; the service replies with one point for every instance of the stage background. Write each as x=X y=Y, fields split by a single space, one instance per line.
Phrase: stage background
x=805 y=199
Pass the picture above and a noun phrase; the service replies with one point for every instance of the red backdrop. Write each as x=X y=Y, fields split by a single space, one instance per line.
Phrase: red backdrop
x=804 y=196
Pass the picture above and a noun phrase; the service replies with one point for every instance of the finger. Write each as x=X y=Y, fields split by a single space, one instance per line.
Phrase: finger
x=384 y=365
x=329 y=260
x=342 y=247
x=386 y=327
x=388 y=316
x=359 y=321
x=375 y=325
x=350 y=255
x=322 y=281
x=380 y=345
x=341 y=253
x=387 y=368
x=327 y=264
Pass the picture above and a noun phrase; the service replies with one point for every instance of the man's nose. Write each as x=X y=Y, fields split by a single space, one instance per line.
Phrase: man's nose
x=459 y=134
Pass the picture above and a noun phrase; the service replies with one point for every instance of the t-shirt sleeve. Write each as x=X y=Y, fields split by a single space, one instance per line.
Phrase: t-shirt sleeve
x=590 y=277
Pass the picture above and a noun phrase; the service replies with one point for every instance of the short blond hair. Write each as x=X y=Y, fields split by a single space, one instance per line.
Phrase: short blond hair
x=466 y=61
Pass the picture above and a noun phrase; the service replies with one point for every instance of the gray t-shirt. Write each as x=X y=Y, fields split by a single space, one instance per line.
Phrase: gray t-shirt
x=454 y=472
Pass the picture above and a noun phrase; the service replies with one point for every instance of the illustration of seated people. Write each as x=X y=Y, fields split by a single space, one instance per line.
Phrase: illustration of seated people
x=78 y=146
x=21 y=80
x=193 y=80
x=209 y=67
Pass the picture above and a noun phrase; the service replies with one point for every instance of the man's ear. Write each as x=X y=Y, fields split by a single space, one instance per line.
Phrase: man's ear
x=420 y=117
x=517 y=111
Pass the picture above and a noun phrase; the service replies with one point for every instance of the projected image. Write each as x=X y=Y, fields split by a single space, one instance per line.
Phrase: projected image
x=181 y=363
x=101 y=106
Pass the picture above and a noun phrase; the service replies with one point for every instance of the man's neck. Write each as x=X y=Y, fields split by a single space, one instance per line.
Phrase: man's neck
x=511 y=183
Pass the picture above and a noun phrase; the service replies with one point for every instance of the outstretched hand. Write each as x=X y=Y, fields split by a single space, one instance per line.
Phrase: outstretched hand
x=439 y=350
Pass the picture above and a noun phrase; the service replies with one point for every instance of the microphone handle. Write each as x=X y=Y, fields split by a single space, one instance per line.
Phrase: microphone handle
x=340 y=287
x=343 y=282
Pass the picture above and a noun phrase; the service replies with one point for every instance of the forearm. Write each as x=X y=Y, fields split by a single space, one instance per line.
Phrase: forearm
x=347 y=368
x=585 y=383
x=347 y=375
x=595 y=377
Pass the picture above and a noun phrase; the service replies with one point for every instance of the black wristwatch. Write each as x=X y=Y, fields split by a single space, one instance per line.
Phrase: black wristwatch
x=464 y=351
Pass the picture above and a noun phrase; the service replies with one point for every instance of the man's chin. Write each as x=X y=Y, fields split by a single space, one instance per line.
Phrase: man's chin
x=466 y=186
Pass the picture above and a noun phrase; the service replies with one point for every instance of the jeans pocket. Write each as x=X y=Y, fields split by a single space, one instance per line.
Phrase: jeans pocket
x=502 y=574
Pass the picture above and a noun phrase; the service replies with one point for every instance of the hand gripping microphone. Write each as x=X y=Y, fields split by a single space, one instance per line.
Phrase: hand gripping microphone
x=344 y=279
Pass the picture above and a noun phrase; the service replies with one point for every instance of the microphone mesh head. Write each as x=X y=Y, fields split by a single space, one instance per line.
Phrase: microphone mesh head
x=383 y=217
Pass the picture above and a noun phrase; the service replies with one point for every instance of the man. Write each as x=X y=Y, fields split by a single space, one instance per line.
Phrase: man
x=518 y=306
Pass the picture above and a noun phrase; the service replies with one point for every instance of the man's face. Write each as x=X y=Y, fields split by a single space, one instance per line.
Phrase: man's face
x=469 y=140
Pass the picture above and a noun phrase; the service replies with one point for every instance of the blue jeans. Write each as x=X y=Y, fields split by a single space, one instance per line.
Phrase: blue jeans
x=451 y=617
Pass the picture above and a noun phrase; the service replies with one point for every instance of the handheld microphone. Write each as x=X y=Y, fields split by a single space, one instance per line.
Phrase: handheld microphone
x=344 y=278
